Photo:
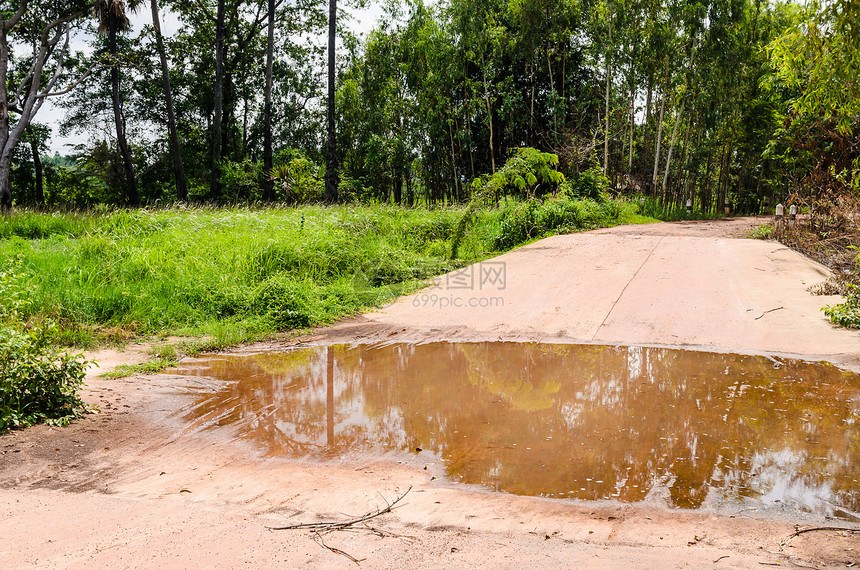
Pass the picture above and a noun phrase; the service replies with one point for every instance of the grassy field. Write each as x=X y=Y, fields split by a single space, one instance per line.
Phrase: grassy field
x=237 y=274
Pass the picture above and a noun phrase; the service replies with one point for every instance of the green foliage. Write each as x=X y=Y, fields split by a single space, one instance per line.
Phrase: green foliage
x=237 y=274
x=241 y=181
x=527 y=173
x=153 y=366
x=590 y=184
x=31 y=225
x=533 y=219
x=764 y=231
x=847 y=313
x=651 y=207
x=297 y=178
x=821 y=59
x=37 y=381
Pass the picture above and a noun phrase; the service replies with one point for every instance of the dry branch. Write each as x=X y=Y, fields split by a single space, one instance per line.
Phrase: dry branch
x=320 y=528
x=334 y=526
x=784 y=542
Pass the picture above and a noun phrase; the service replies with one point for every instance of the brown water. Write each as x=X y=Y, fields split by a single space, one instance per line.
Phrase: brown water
x=684 y=428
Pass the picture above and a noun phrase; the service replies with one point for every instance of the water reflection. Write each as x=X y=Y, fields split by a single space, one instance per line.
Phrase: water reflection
x=578 y=421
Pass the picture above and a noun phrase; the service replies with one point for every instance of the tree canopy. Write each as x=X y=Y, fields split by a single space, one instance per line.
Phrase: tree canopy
x=743 y=103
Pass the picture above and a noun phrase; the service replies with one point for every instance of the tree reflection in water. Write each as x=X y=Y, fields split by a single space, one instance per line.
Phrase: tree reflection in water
x=576 y=421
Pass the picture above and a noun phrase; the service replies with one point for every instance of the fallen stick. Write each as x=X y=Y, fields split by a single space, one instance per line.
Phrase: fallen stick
x=319 y=540
x=784 y=542
x=768 y=311
x=334 y=526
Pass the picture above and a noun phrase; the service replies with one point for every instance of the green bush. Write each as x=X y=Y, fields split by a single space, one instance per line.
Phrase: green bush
x=533 y=219
x=590 y=184
x=846 y=313
x=37 y=381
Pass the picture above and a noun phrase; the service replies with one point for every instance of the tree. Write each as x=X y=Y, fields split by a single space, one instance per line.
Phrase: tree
x=215 y=156
x=178 y=168
x=331 y=177
x=35 y=77
x=269 y=184
x=821 y=58
x=113 y=19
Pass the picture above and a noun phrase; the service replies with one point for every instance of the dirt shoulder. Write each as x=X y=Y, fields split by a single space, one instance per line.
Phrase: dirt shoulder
x=134 y=486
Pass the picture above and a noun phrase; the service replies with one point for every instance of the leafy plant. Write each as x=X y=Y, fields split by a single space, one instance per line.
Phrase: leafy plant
x=527 y=173
x=37 y=381
x=847 y=313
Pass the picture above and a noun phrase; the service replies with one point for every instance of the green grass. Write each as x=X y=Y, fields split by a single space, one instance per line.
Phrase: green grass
x=152 y=366
x=226 y=276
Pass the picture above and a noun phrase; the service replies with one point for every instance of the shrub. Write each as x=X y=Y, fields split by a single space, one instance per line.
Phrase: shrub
x=532 y=219
x=37 y=381
x=589 y=184
x=846 y=313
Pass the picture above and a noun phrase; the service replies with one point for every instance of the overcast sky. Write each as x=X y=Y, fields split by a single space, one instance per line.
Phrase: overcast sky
x=363 y=21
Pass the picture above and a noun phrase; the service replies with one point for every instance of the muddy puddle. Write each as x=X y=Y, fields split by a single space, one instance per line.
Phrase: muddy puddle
x=683 y=428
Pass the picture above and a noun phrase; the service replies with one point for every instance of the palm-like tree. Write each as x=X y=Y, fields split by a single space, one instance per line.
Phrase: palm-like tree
x=113 y=19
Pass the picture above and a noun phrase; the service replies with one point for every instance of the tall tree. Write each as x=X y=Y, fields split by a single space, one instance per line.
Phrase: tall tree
x=113 y=20
x=269 y=183
x=34 y=77
x=331 y=177
x=178 y=168
x=218 y=96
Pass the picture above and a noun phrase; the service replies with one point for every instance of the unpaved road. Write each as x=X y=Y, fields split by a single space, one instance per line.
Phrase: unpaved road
x=133 y=486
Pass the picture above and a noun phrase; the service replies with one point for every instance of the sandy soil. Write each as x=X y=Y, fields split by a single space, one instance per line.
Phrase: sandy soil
x=132 y=486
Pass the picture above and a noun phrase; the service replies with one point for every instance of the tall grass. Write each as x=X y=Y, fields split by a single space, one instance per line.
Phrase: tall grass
x=235 y=274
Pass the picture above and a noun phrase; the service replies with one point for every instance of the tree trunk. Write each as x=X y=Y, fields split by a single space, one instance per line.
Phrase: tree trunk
x=632 y=126
x=489 y=114
x=657 y=145
x=331 y=181
x=217 y=111
x=532 y=108
x=608 y=81
x=178 y=168
x=37 y=166
x=646 y=130
x=131 y=195
x=453 y=162
x=671 y=148
x=268 y=183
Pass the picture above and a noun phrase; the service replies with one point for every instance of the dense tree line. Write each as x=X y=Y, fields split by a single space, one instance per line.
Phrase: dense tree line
x=738 y=102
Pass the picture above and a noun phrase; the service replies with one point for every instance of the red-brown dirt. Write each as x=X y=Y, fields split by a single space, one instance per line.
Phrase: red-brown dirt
x=132 y=486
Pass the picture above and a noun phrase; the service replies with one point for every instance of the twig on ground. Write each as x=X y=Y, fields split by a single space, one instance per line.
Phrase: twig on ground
x=768 y=311
x=784 y=542
x=333 y=526
x=320 y=528
x=720 y=558
x=319 y=540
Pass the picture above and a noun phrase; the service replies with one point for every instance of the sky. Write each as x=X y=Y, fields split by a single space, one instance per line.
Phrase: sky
x=363 y=21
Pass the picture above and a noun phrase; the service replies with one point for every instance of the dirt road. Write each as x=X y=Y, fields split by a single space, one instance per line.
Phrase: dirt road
x=133 y=486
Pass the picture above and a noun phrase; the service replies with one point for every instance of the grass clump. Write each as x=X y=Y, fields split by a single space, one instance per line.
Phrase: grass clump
x=37 y=382
x=152 y=366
